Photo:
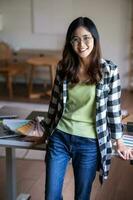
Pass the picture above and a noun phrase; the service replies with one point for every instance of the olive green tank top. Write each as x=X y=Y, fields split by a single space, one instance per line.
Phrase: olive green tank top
x=79 y=115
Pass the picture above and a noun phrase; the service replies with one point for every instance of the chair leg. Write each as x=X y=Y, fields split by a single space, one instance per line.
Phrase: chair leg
x=9 y=85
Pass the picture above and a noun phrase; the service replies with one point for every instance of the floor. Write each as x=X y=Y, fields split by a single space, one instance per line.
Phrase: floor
x=31 y=169
x=31 y=180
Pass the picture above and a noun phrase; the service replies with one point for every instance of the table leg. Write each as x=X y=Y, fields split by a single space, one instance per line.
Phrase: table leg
x=10 y=86
x=11 y=176
x=30 y=81
x=52 y=74
x=11 y=173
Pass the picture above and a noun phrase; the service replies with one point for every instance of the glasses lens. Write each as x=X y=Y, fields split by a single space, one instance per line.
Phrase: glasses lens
x=87 y=39
x=76 y=40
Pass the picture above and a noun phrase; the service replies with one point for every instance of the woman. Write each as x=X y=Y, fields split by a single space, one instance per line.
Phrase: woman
x=84 y=114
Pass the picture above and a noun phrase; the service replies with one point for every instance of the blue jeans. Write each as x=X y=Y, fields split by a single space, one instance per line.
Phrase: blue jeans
x=85 y=158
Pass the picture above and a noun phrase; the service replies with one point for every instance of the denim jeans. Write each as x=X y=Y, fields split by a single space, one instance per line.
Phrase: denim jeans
x=85 y=157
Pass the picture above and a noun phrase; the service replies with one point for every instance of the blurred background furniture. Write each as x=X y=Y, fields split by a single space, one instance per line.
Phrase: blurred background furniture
x=49 y=61
x=8 y=68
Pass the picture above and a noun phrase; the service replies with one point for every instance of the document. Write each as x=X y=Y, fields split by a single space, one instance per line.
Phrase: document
x=31 y=128
x=128 y=140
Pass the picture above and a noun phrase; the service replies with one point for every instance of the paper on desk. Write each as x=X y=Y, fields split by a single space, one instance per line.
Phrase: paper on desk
x=128 y=140
x=25 y=127
x=13 y=124
x=22 y=126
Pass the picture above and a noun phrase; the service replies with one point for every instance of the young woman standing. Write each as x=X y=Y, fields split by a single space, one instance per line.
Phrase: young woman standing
x=84 y=114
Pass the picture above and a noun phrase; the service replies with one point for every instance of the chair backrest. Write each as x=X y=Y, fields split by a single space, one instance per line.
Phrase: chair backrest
x=5 y=51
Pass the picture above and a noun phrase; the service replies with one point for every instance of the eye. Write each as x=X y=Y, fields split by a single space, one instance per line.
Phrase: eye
x=87 y=38
x=75 y=40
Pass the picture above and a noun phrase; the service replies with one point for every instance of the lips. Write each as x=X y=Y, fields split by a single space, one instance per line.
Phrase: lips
x=82 y=50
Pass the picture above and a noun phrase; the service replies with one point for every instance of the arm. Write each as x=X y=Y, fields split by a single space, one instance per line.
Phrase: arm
x=114 y=116
x=113 y=105
x=47 y=123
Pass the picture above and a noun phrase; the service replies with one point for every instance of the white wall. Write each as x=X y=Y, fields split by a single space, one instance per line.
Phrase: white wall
x=112 y=18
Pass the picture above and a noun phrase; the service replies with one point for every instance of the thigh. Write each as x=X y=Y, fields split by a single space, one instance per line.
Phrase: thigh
x=57 y=159
x=85 y=161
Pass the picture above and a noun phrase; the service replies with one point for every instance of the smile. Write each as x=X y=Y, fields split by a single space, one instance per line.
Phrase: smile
x=82 y=50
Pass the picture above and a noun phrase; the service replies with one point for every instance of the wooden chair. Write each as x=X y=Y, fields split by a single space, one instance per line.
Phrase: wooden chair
x=9 y=69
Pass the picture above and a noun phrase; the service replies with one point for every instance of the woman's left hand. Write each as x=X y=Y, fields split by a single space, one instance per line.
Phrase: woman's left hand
x=124 y=152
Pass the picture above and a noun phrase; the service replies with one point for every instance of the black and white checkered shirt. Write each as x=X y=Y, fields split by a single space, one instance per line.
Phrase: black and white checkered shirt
x=108 y=111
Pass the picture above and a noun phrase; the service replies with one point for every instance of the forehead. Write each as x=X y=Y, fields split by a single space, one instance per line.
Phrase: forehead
x=80 y=31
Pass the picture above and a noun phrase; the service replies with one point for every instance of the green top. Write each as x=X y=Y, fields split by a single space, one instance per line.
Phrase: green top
x=80 y=112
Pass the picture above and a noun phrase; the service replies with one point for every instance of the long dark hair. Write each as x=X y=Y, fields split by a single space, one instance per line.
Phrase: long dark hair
x=70 y=63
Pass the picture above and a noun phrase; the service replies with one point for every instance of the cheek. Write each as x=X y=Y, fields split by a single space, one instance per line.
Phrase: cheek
x=92 y=45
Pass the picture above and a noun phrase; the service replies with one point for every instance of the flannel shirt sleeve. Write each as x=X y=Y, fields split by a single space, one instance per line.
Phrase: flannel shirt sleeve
x=113 y=105
x=47 y=122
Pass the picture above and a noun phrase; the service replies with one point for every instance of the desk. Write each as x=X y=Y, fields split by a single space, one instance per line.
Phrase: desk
x=10 y=146
x=129 y=118
x=44 y=61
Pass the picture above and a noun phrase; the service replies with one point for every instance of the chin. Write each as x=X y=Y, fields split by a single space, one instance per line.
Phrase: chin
x=84 y=55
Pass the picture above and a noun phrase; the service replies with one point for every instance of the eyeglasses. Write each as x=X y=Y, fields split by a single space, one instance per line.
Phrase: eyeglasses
x=75 y=41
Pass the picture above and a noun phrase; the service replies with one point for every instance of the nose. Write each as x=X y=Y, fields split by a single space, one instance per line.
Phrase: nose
x=81 y=43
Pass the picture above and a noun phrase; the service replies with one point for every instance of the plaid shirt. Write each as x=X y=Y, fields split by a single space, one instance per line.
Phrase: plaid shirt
x=108 y=112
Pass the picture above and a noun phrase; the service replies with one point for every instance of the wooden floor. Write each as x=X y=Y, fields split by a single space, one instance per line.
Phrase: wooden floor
x=31 y=178
x=31 y=175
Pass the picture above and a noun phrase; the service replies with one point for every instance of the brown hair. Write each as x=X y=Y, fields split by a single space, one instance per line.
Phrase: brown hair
x=70 y=61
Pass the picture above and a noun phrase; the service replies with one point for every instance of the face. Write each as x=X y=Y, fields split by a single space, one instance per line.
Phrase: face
x=82 y=42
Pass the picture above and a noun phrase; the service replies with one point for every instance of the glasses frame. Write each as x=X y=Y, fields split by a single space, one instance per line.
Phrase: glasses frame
x=85 y=39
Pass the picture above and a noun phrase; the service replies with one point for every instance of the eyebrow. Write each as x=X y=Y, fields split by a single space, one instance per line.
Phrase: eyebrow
x=82 y=35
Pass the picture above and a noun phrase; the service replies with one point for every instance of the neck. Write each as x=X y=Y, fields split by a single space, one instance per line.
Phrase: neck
x=84 y=62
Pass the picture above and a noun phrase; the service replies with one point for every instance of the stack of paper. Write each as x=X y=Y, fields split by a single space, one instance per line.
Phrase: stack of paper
x=25 y=127
x=13 y=124
x=128 y=140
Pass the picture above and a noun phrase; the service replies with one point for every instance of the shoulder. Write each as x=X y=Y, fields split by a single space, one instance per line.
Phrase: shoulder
x=108 y=66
